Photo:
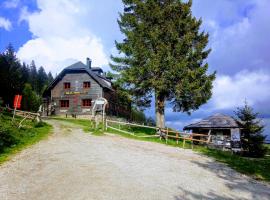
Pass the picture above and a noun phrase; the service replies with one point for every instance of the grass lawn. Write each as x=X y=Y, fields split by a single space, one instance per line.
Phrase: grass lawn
x=29 y=134
x=258 y=168
x=85 y=124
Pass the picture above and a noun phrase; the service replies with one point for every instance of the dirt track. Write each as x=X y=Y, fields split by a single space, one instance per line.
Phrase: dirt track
x=75 y=165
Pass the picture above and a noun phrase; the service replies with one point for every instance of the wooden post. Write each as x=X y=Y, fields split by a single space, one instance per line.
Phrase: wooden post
x=177 y=139
x=106 y=125
x=167 y=133
x=184 y=142
x=191 y=141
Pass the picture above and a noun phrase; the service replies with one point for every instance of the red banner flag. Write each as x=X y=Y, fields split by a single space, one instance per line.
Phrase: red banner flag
x=17 y=101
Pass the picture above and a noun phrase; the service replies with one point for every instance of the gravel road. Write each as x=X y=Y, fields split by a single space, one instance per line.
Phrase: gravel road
x=72 y=165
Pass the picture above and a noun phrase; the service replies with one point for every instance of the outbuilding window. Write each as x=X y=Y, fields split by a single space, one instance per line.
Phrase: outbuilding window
x=87 y=102
x=64 y=103
x=67 y=85
x=86 y=84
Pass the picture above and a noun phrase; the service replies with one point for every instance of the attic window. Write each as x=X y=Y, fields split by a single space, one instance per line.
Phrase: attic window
x=86 y=84
x=67 y=85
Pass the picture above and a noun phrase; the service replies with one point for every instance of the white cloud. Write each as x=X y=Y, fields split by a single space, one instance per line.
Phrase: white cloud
x=59 y=35
x=239 y=32
x=11 y=3
x=231 y=91
x=5 y=24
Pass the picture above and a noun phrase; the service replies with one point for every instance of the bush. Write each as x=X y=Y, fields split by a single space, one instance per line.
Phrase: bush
x=7 y=137
x=39 y=124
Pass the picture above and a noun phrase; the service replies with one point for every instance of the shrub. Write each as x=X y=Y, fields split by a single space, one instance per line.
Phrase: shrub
x=39 y=124
x=7 y=137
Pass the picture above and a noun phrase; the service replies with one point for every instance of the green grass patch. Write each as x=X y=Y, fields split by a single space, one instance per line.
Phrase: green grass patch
x=86 y=125
x=141 y=131
x=13 y=139
x=258 y=168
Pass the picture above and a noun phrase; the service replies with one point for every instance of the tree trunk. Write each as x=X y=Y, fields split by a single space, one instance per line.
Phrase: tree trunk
x=159 y=107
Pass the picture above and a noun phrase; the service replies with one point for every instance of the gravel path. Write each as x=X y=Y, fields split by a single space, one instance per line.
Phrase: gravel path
x=74 y=165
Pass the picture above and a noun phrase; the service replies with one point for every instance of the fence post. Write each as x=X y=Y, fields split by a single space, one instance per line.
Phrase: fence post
x=184 y=141
x=167 y=133
x=106 y=125
x=177 y=139
x=191 y=141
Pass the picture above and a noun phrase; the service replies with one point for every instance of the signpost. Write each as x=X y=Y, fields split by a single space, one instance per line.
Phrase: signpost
x=100 y=102
x=17 y=103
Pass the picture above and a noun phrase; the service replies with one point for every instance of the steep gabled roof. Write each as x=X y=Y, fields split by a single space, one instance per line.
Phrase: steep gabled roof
x=215 y=121
x=79 y=67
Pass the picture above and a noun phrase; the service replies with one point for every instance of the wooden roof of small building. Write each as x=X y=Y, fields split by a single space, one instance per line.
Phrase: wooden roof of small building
x=215 y=121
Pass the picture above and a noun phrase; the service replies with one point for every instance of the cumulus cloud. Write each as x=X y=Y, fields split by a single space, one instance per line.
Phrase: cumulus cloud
x=59 y=36
x=5 y=24
x=11 y=3
x=239 y=33
x=231 y=91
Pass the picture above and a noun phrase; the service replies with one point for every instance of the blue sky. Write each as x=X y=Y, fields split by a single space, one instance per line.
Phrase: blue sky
x=60 y=32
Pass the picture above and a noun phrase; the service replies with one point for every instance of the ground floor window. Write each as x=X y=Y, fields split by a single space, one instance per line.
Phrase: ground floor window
x=87 y=102
x=64 y=103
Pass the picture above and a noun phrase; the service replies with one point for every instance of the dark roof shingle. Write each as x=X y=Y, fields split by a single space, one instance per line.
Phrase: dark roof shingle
x=215 y=121
x=80 y=67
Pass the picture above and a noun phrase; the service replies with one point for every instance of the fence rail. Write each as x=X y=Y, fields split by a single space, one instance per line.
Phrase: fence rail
x=25 y=115
x=164 y=133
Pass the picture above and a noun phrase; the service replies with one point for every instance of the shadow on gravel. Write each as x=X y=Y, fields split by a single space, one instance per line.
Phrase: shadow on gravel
x=210 y=196
x=233 y=181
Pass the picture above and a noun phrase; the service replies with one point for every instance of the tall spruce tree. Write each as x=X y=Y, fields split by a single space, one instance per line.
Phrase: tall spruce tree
x=252 y=129
x=42 y=80
x=164 y=54
x=50 y=78
x=11 y=80
x=33 y=77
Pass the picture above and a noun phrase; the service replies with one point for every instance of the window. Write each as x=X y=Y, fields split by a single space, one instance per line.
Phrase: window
x=66 y=85
x=86 y=84
x=64 y=103
x=87 y=102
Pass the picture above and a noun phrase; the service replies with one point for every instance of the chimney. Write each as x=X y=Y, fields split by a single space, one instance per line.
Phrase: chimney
x=88 y=62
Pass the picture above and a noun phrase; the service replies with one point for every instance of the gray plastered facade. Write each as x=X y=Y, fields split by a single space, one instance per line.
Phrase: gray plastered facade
x=75 y=94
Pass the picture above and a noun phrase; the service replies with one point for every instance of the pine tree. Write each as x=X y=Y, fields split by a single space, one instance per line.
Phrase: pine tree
x=252 y=138
x=11 y=80
x=164 y=54
x=30 y=101
x=50 y=78
x=25 y=73
x=42 y=80
x=33 y=79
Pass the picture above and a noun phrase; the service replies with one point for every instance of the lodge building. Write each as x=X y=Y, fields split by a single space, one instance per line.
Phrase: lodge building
x=76 y=88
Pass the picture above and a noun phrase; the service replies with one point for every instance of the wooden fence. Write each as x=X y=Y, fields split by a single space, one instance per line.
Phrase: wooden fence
x=164 y=133
x=25 y=115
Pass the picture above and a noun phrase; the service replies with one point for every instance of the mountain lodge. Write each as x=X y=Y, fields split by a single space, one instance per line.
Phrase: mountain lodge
x=75 y=89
